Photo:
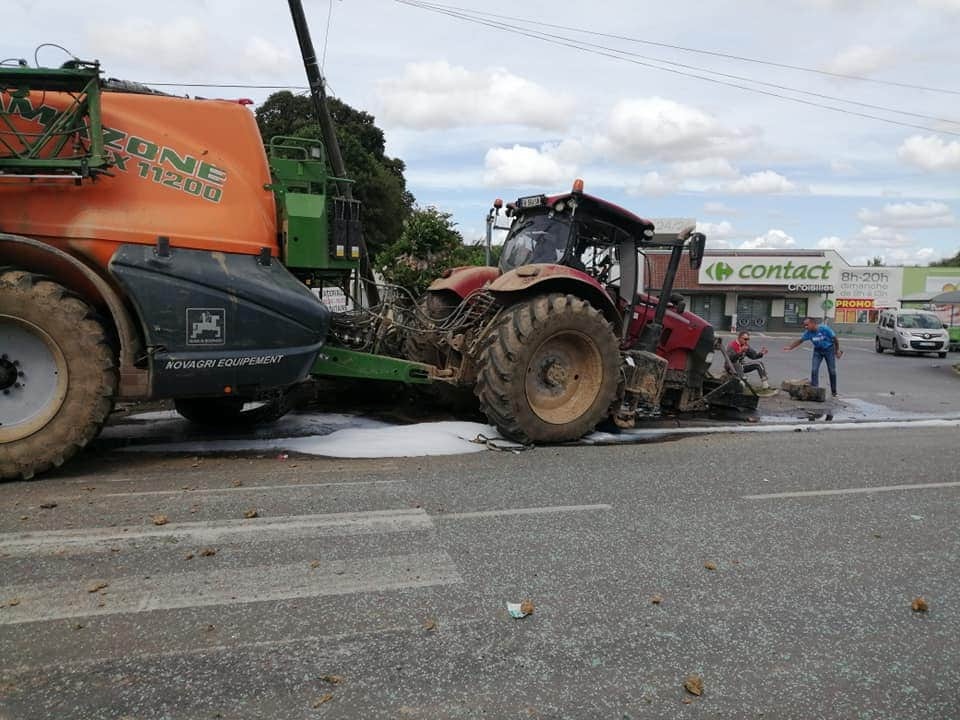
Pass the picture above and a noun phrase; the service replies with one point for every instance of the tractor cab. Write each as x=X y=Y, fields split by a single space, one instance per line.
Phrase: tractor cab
x=578 y=231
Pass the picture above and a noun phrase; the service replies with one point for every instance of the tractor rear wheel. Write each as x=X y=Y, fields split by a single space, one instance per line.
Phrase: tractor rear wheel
x=58 y=375
x=549 y=370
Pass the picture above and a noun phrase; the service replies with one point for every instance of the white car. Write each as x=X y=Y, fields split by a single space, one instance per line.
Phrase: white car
x=911 y=331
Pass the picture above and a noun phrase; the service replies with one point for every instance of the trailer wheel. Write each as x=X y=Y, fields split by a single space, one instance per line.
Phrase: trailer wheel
x=231 y=412
x=549 y=370
x=58 y=375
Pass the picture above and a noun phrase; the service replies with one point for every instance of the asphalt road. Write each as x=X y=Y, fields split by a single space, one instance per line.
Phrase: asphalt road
x=906 y=383
x=784 y=566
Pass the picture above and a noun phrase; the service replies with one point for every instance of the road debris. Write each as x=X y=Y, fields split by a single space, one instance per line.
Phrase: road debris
x=188 y=556
x=430 y=625
x=520 y=609
x=208 y=552
x=96 y=586
x=693 y=685
x=710 y=565
x=920 y=604
x=48 y=505
x=656 y=599
x=250 y=514
x=327 y=697
x=315 y=564
x=332 y=679
x=160 y=520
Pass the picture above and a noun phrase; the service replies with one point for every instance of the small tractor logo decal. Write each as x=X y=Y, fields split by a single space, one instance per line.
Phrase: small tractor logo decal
x=205 y=326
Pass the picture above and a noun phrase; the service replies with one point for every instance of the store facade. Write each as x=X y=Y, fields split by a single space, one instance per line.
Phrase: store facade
x=774 y=290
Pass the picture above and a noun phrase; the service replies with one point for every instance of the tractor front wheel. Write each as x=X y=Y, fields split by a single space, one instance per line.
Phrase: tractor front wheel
x=549 y=370
x=58 y=375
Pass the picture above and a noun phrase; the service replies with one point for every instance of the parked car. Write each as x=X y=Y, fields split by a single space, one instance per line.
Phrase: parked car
x=911 y=331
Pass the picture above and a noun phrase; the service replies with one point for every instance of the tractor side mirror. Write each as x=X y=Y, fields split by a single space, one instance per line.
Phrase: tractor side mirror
x=698 y=242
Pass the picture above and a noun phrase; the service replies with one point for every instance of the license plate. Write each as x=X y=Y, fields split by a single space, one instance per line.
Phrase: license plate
x=924 y=344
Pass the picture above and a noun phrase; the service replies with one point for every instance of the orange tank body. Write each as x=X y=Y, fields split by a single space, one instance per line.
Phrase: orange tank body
x=191 y=170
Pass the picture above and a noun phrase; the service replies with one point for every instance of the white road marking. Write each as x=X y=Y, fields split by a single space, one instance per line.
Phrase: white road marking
x=350 y=523
x=229 y=586
x=519 y=511
x=245 y=488
x=852 y=491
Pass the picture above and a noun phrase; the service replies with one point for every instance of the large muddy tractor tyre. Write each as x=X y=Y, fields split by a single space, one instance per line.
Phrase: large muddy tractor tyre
x=58 y=375
x=549 y=370
x=230 y=412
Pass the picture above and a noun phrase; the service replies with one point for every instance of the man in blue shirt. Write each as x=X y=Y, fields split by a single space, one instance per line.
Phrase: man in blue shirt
x=826 y=347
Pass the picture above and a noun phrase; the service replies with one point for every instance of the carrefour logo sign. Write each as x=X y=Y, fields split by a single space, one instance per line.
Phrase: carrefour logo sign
x=764 y=271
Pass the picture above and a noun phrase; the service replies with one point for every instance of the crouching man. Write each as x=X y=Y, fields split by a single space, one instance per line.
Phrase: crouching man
x=748 y=359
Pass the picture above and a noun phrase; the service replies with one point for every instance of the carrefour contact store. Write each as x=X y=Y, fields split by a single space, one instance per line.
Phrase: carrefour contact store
x=774 y=291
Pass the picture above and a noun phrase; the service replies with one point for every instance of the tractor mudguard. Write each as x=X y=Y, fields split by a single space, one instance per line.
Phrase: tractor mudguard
x=464 y=280
x=548 y=278
x=213 y=320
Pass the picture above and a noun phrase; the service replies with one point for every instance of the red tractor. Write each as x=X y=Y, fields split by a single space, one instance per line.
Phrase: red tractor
x=556 y=338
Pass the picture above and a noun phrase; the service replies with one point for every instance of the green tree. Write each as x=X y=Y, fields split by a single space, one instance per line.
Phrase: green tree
x=379 y=182
x=428 y=245
x=876 y=262
x=948 y=262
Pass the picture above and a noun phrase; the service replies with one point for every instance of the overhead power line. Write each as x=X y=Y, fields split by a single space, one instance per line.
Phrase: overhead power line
x=700 y=51
x=626 y=56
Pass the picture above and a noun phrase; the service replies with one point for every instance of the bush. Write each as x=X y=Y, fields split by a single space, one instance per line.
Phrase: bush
x=429 y=244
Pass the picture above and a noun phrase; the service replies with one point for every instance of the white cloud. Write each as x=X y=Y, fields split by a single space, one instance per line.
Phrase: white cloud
x=907 y=256
x=765 y=182
x=716 y=231
x=655 y=128
x=882 y=237
x=262 y=57
x=437 y=95
x=947 y=5
x=833 y=243
x=839 y=167
x=707 y=168
x=773 y=239
x=526 y=166
x=860 y=60
x=718 y=208
x=179 y=44
x=653 y=183
x=910 y=215
x=930 y=152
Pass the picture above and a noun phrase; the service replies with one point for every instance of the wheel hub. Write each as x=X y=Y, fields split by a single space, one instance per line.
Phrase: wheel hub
x=563 y=377
x=554 y=373
x=34 y=384
x=8 y=372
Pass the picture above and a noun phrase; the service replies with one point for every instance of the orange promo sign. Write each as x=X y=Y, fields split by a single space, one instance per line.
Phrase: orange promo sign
x=854 y=303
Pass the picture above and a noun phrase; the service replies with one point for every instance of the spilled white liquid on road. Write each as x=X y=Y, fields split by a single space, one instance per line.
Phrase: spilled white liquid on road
x=355 y=436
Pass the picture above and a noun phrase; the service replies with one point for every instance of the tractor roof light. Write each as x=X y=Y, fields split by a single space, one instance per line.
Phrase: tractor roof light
x=498 y=203
x=578 y=185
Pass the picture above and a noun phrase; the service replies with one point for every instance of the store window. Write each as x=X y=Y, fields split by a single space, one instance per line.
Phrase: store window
x=854 y=316
x=794 y=311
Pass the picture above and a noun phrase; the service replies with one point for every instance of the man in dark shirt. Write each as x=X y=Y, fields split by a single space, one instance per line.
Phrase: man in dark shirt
x=748 y=359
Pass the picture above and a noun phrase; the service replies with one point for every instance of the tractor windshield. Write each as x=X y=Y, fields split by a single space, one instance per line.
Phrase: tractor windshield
x=540 y=238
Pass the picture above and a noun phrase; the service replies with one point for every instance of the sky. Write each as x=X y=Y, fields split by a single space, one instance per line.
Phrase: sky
x=488 y=108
